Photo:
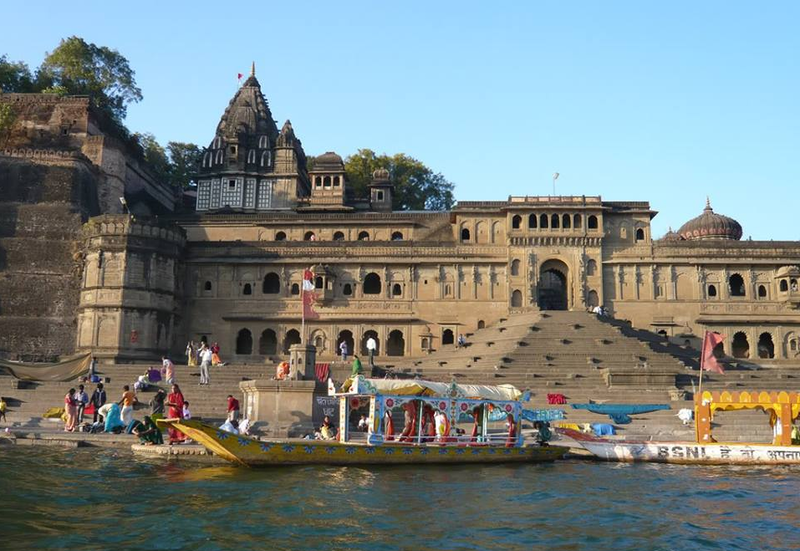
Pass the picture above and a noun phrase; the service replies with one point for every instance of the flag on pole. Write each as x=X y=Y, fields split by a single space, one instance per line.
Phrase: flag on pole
x=308 y=296
x=239 y=76
x=708 y=361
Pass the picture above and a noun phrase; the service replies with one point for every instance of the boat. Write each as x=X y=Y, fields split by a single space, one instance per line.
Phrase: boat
x=487 y=409
x=783 y=408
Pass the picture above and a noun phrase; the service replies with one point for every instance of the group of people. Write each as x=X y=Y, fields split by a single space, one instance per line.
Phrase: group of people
x=204 y=356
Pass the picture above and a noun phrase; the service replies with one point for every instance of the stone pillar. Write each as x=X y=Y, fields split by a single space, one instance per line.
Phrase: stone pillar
x=280 y=408
x=302 y=358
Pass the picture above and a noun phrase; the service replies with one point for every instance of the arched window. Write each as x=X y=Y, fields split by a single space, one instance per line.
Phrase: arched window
x=592 y=222
x=280 y=236
x=372 y=284
x=591 y=267
x=640 y=234
x=577 y=221
x=533 y=221
x=448 y=290
x=319 y=283
x=516 y=299
x=554 y=222
x=251 y=156
x=481 y=324
x=543 y=221
x=207 y=159
x=268 y=343
x=266 y=158
x=310 y=236
x=335 y=181
x=295 y=288
x=217 y=142
x=784 y=286
x=207 y=286
x=347 y=290
x=272 y=284
x=712 y=290
x=397 y=236
x=292 y=337
x=448 y=337
x=464 y=234
x=793 y=285
x=766 y=348
x=363 y=236
x=346 y=337
x=736 y=285
x=326 y=181
x=762 y=291
x=318 y=181
x=395 y=344
x=515 y=267
x=338 y=236
x=566 y=222
x=516 y=221
x=262 y=142
x=740 y=347
x=247 y=289
x=244 y=342
x=592 y=299
x=219 y=157
x=397 y=290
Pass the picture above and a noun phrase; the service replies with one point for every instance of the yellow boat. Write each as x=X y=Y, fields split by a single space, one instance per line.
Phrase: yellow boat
x=485 y=406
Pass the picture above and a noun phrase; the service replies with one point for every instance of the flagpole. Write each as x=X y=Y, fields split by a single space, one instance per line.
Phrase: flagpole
x=303 y=316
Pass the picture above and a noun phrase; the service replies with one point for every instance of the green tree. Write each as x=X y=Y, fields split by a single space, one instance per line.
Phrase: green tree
x=7 y=119
x=184 y=159
x=15 y=76
x=83 y=68
x=416 y=187
x=155 y=155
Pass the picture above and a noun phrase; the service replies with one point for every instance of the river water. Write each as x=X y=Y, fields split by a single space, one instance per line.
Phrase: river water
x=91 y=499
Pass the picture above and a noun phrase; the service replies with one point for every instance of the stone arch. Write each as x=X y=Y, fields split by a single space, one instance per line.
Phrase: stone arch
x=516 y=298
x=592 y=299
x=555 y=221
x=244 y=342
x=465 y=235
x=448 y=337
x=762 y=291
x=319 y=339
x=766 y=346
x=712 y=291
x=784 y=286
x=791 y=345
x=591 y=222
x=295 y=289
x=740 y=346
x=346 y=336
x=397 y=236
x=577 y=221
x=107 y=336
x=268 y=343
x=395 y=343
x=365 y=337
x=347 y=289
x=363 y=236
x=566 y=222
x=533 y=221
x=553 y=285
x=497 y=232
x=591 y=267
x=292 y=337
x=515 y=267
x=271 y=284
x=372 y=284
x=247 y=289
x=481 y=324
x=338 y=236
x=543 y=222
x=639 y=234
x=397 y=290
x=516 y=222
x=309 y=236
x=280 y=236
x=207 y=286
x=736 y=285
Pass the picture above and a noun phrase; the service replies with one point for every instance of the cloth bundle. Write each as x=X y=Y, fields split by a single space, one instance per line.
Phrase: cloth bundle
x=556 y=399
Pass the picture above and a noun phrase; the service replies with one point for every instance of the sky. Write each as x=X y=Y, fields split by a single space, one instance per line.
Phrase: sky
x=665 y=102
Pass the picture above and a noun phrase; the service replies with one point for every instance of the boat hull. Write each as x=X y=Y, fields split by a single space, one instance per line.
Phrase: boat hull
x=252 y=452
x=687 y=453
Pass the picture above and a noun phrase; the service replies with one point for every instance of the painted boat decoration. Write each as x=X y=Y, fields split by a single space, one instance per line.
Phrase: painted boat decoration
x=486 y=406
x=783 y=408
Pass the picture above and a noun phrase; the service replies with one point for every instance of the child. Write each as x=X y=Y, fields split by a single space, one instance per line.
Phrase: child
x=186 y=413
x=3 y=408
x=362 y=424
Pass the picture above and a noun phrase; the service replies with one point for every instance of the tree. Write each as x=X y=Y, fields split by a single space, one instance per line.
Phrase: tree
x=416 y=187
x=155 y=155
x=83 y=68
x=8 y=117
x=15 y=76
x=184 y=159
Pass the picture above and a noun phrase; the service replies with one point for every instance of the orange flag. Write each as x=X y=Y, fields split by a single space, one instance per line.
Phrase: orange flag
x=707 y=359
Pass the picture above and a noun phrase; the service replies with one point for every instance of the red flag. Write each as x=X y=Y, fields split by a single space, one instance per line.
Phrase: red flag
x=309 y=298
x=240 y=75
x=707 y=359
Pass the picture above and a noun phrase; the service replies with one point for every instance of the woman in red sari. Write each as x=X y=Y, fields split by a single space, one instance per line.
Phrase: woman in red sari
x=388 y=425
x=512 y=431
x=71 y=410
x=428 y=424
x=410 y=427
x=175 y=403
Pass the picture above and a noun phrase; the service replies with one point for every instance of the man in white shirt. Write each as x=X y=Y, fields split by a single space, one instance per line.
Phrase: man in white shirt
x=371 y=346
x=205 y=363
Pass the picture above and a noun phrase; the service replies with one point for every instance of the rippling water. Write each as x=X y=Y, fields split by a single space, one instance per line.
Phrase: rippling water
x=99 y=500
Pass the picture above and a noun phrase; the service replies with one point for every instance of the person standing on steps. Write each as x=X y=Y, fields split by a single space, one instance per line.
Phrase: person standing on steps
x=205 y=363
x=343 y=350
x=82 y=399
x=168 y=370
x=357 y=369
x=127 y=402
x=98 y=400
x=372 y=345
x=233 y=409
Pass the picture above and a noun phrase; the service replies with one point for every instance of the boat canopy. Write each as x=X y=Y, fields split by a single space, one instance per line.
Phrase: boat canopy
x=417 y=387
x=783 y=407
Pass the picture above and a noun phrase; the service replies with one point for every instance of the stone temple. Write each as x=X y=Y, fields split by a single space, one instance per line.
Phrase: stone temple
x=77 y=273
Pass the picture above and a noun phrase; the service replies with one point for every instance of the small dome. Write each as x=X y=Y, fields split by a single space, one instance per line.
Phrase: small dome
x=788 y=271
x=671 y=236
x=328 y=162
x=380 y=174
x=711 y=225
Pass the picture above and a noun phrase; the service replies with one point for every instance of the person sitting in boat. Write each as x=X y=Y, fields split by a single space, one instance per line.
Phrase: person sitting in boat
x=388 y=425
x=327 y=431
x=476 y=416
x=543 y=434
x=428 y=424
x=363 y=425
x=511 y=441
x=442 y=426
x=410 y=426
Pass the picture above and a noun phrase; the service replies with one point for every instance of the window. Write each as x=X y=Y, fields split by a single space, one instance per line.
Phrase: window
x=262 y=142
x=251 y=156
x=784 y=286
x=231 y=184
x=318 y=181
x=380 y=196
x=363 y=236
x=554 y=222
x=372 y=284
x=309 y=236
x=533 y=221
x=592 y=222
x=448 y=290
x=640 y=234
x=295 y=289
x=736 y=285
x=516 y=299
x=712 y=291
x=266 y=158
x=219 y=157
x=543 y=221
x=347 y=290
x=292 y=337
x=397 y=236
x=566 y=222
x=233 y=150
x=326 y=182
x=448 y=337
x=481 y=324
x=272 y=284
x=338 y=236
x=397 y=290
x=319 y=283
x=247 y=289
x=335 y=181
x=464 y=234
x=516 y=222
x=395 y=343
x=577 y=221
x=515 y=267
x=268 y=343
x=766 y=348
x=244 y=342
x=740 y=346
x=280 y=236
x=762 y=291
x=207 y=286
x=591 y=267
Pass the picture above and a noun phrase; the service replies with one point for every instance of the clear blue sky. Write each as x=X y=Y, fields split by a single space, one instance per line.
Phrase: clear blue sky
x=666 y=102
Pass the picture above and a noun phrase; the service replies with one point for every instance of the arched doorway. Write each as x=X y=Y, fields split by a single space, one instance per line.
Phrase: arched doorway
x=345 y=336
x=448 y=337
x=740 y=348
x=553 y=288
x=268 y=343
x=592 y=299
x=365 y=337
x=766 y=348
x=292 y=337
x=395 y=344
x=244 y=342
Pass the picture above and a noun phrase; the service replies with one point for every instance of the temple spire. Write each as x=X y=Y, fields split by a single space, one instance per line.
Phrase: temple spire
x=708 y=203
x=253 y=69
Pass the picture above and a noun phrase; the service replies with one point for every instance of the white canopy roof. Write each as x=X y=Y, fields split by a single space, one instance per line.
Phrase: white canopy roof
x=419 y=387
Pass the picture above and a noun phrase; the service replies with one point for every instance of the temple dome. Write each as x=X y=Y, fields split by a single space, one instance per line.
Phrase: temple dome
x=711 y=225
x=328 y=161
x=247 y=113
x=671 y=235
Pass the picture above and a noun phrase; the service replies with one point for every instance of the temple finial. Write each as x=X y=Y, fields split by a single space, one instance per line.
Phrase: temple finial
x=708 y=203
x=253 y=69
